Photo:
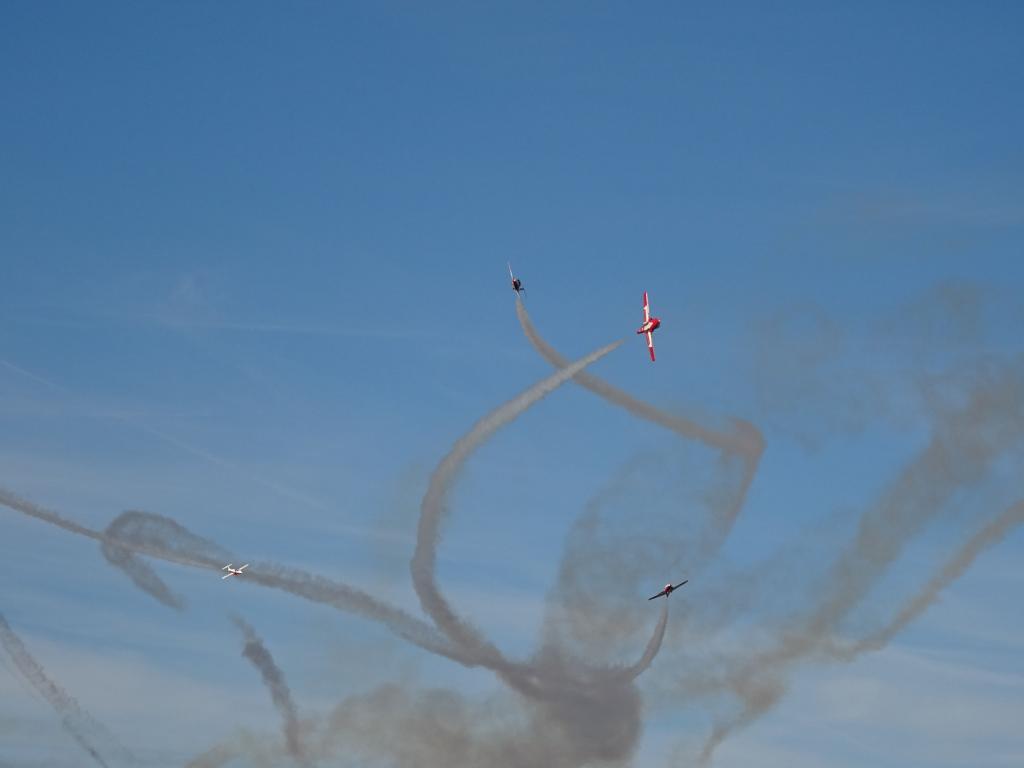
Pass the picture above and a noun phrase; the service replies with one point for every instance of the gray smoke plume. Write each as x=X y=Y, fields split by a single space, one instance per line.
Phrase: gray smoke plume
x=141 y=574
x=606 y=557
x=273 y=678
x=647 y=521
x=256 y=750
x=596 y=710
x=161 y=538
x=15 y=502
x=395 y=726
x=990 y=534
x=579 y=713
x=90 y=735
x=565 y=711
x=164 y=535
x=171 y=555
x=214 y=757
x=966 y=439
x=746 y=441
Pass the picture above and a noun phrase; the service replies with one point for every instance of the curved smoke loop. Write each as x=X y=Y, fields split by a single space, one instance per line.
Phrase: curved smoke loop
x=580 y=712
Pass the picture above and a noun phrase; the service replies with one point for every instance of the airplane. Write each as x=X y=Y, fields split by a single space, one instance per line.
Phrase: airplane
x=232 y=571
x=651 y=324
x=669 y=589
x=517 y=284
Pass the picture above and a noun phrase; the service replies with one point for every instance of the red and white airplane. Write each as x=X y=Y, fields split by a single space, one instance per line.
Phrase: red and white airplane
x=668 y=590
x=232 y=571
x=650 y=325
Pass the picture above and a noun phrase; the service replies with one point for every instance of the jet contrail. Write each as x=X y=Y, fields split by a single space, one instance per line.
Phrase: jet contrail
x=746 y=442
x=282 y=490
x=279 y=488
x=256 y=652
x=76 y=721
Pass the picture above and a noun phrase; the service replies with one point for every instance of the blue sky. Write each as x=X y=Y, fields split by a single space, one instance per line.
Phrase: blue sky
x=254 y=278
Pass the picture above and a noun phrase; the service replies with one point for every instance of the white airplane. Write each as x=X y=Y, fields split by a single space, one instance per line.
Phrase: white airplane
x=232 y=571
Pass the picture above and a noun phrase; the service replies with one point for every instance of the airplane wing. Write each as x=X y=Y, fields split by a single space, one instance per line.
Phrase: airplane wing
x=510 y=275
x=650 y=344
x=647 y=308
x=226 y=576
x=660 y=594
x=677 y=586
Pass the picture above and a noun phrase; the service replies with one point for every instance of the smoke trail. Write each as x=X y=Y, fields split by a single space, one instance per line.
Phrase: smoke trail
x=434 y=507
x=214 y=757
x=273 y=678
x=580 y=713
x=18 y=504
x=26 y=507
x=142 y=575
x=77 y=722
x=577 y=714
x=133 y=526
x=653 y=646
x=639 y=523
x=746 y=441
x=988 y=535
x=164 y=539
x=964 y=443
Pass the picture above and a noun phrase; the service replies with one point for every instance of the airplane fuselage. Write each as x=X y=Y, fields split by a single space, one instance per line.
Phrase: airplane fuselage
x=649 y=326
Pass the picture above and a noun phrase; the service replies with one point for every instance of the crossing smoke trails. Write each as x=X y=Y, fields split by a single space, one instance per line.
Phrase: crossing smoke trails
x=746 y=442
x=571 y=711
x=76 y=721
x=159 y=537
x=139 y=528
x=596 y=710
x=434 y=507
x=592 y=713
x=965 y=442
x=256 y=652
x=987 y=536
